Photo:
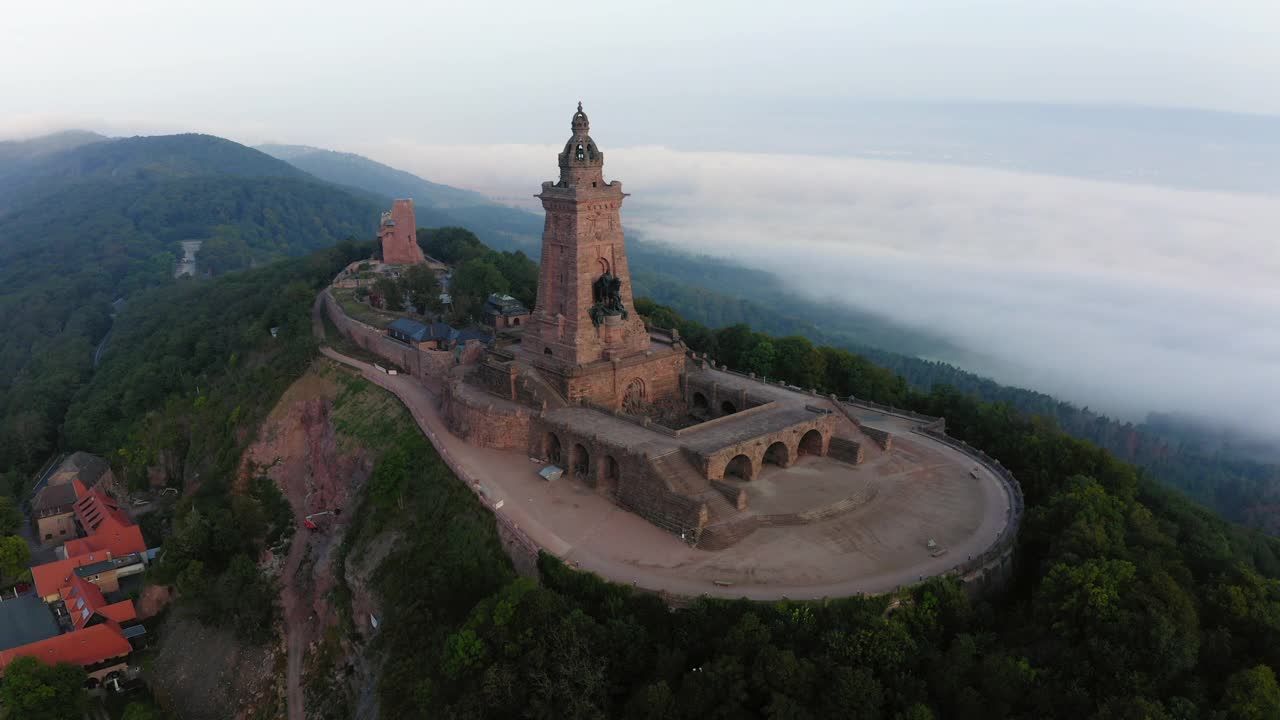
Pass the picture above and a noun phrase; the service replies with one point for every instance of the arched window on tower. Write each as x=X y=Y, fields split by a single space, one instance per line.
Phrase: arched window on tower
x=581 y=154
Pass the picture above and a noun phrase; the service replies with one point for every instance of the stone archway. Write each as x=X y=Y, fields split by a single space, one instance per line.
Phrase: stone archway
x=551 y=448
x=633 y=398
x=778 y=454
x=580 y=463
x=608 y=474
x=739 y=468
x=812 y=443
x=728 y=408
x=699 y=404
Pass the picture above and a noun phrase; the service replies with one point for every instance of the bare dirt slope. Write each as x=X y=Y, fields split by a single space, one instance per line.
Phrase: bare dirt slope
x=319 y=445
x=210 y=674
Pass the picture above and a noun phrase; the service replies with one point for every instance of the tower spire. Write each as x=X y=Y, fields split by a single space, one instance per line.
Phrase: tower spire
x=580 y=125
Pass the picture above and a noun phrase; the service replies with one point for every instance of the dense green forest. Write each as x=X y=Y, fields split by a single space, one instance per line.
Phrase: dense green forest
x=85 y=226
x=479 y=270
x=195 y=370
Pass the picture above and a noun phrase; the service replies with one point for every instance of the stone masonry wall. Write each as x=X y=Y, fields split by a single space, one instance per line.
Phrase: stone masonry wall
x=713 y=465
x=638 y=486
x=735 y=495
x=659 y=375
x=419 y=363
x=880 y=437
x=484 y=425
x=400 y=236
x=847 y=451
x=646 y=494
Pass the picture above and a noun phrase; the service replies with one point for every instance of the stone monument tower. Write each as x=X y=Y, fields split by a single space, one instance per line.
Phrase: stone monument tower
x=398 y=232
x=584 y=335
x=584 y=310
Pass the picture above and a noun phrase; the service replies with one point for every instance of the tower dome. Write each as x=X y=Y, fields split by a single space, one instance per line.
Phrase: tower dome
x=581 y=163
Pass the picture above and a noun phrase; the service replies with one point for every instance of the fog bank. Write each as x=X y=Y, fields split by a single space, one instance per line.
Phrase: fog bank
x=1126 y=298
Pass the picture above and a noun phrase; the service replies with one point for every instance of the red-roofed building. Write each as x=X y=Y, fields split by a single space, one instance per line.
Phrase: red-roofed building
x=76 y=622
x=113 y=548
x=102 y=569
x=98 y=513
x=50 y=578
x=96 y=640
x=117 y=541
x=100 y=649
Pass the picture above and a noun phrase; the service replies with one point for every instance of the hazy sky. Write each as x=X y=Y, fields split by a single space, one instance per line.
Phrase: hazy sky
x=327 y=72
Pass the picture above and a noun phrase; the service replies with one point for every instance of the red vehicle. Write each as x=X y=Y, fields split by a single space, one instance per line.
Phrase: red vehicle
x=310 y=525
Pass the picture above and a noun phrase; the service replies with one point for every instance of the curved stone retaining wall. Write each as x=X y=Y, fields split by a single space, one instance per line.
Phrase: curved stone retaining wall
x=482 y=423
x=991 y=569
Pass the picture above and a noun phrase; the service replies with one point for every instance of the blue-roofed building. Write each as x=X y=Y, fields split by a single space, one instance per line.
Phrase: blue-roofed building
x=408 y=331
x=433 y=336
x=461 y=337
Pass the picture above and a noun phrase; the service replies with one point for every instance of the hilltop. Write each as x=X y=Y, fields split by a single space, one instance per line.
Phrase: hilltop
x=142 y=159
x=84 y=225
x=14 y=152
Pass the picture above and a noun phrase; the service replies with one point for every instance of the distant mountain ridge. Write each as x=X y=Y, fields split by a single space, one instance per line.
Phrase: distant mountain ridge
x=143 y=158
x=435 y=204
x=14 y=151
x=359 y=171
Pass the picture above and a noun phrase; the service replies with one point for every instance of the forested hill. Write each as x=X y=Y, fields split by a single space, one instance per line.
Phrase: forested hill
x=17 y=155
x=156 y=159
x=84 y=226
x=435 y=205
x=359 y=171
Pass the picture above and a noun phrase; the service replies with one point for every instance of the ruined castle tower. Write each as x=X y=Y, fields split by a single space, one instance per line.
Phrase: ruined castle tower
x=399 y=235
x=584 y=310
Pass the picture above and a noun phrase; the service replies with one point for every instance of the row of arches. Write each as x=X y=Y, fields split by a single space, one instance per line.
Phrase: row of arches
x=577 y=463
x=702 y=406
x=742 y=467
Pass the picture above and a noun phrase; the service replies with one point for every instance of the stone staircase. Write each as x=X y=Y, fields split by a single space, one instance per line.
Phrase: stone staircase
x=726 y=524
x=680 y=474
x=530 y=381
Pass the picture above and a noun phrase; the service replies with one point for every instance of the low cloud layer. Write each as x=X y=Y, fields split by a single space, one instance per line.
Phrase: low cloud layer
x=1126 y=298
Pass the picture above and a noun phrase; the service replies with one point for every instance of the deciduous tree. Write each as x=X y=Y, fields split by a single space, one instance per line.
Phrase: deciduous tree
x=32 y=690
